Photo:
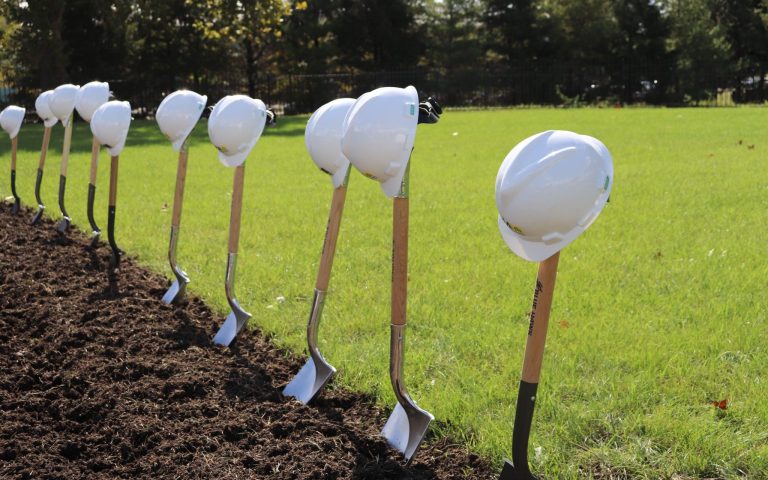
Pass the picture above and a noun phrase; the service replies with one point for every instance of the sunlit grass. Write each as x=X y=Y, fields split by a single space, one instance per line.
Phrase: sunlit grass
x=660 y=308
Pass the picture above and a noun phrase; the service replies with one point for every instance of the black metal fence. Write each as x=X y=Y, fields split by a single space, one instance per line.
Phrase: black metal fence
x=551 y=83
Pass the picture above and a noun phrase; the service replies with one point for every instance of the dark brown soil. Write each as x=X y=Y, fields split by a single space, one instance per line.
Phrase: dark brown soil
x=100 y=379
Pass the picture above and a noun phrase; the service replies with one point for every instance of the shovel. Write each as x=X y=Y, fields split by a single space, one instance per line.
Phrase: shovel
x=114 y=261
x=39 y=181
x=518 y=468
x=408 y=423
x=64 y=223
x=176 y=291
x=95 y=146
x=16 y=200
x=238 y=317
x=316 y=373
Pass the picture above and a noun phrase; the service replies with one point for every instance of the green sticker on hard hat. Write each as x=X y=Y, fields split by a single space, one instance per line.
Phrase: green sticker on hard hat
x=607 y=181
x=413 y=109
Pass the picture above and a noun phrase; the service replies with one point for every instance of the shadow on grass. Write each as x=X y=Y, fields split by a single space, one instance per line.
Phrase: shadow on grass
x=141 y=133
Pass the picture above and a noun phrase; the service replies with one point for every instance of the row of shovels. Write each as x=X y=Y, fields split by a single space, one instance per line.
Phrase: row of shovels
x=374 y=133
x=110 y=118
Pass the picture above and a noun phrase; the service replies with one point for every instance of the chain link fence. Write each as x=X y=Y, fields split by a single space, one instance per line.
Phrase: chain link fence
x=550 y=83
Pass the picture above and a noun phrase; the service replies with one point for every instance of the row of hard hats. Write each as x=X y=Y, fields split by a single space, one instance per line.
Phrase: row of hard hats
x=549 y=189
x=109 y=119
x=234 y=126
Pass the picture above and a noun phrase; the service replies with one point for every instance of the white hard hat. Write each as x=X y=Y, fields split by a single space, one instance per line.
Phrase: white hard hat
x=44 y=110
x=62 y=102
x=234 y=127
x=323 y=138
x=110 y=125
x=91 y=96
x=550 y=188
x=11 y=119
x=379 y=132
x=178 y=113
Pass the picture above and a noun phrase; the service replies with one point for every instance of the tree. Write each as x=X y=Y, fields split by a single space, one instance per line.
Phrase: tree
x=308 y=43
x=378 y=34
x=699 y=46
x=251 y=26
x=640 y=43
x=37 y=41
x=520 y=30
x=744 y=25
x=453 y=33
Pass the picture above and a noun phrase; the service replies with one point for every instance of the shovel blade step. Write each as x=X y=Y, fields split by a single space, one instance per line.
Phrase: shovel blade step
x=38 y=216
x=405 y=430
x=175 y=292
x=510 y=473
x=309 y=382
x=227 y=332
x=63 y=225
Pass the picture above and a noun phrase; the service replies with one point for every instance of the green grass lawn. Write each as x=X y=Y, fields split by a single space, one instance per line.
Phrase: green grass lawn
x=660 y=308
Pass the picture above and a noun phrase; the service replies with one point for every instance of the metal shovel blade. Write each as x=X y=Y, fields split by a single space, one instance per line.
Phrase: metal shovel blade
x=316 y=373
x=38 y=215
x=235 y=322
x=310 y=381
x=63 y=225
x=406 y=427
x=95 y=239
x=16 y=207
x=175 y=292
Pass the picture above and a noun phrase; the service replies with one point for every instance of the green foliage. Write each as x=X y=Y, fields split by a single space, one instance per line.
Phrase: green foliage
x=659 y=307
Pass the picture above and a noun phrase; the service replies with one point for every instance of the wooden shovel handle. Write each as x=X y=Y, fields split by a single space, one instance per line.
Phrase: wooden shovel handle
x=44 y=148
x=399 y=260
x=113 y=181
x=95 y=147
x=14 y=146
x=67 y=146
x=178 y=197
x=331 y=235
x=539 y=319
x=237 y=207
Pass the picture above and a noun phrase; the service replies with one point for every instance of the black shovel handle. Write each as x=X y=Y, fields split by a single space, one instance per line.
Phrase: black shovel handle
x=534 y=355
x=39 y=182
x=91 y=199
x=13 y=187
x=116 y=253
x=526 y=401
x=14 y=146
x=62 y=189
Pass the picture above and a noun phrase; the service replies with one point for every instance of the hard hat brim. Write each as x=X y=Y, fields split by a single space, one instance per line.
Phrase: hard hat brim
x=50 y=122
x=180 y=142
x=66 y=120
x=117 y=149
x=340 y=175
x=391 y=187
x=15 y=132
x=529 y=250
x=234 y=160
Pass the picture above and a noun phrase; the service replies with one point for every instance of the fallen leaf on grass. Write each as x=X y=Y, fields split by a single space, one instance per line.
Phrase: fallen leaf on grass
x=564 y=324
x=722 y=404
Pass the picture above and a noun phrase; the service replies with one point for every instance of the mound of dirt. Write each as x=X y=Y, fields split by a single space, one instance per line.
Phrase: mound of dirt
x=100 y=379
